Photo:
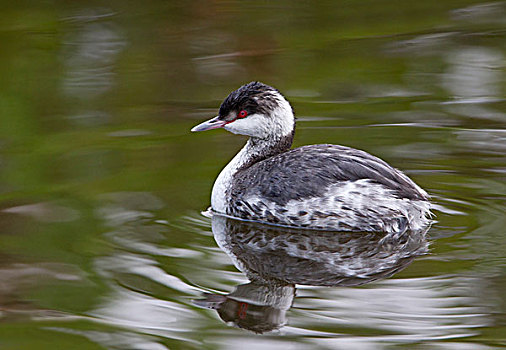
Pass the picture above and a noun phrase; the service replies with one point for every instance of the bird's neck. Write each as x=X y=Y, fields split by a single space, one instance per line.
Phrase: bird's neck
x=257 y=150
x=253 y=152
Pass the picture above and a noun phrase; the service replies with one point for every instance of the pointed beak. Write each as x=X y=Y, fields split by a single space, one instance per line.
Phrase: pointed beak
x=214 y=123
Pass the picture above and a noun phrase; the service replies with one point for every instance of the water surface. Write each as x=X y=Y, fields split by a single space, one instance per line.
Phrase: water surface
x=102 y=241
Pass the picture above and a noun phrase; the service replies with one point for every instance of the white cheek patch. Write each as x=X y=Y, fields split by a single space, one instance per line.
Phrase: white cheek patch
x=255 y=125
x=283 y=118
x=278 y=123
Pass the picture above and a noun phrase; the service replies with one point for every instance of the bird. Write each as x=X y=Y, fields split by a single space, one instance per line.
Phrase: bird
x=318 y=187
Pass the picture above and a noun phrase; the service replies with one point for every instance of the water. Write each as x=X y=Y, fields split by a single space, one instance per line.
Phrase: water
x=102 y=240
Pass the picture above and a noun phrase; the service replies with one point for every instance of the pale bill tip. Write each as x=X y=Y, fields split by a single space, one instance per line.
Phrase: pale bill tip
x=213 y=123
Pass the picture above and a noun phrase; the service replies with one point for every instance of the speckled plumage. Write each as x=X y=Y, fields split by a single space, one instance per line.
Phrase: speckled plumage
x=326 y=187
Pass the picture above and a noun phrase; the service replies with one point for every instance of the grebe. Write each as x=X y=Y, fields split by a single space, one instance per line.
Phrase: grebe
x=325 y=187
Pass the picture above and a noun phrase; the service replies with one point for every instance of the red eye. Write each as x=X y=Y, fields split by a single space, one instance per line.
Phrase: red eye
x=243 y=114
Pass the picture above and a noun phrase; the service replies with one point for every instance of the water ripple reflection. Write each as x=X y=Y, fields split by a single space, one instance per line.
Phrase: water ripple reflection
x=276 y=259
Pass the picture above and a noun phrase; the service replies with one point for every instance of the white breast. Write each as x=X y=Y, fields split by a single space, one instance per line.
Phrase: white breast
x=224 y=181
x=219 y=192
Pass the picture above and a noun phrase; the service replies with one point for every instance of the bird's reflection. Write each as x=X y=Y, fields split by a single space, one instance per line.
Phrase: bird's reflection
x=276 y=259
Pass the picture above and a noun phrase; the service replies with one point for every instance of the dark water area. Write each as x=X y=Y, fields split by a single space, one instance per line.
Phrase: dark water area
x=103 y=244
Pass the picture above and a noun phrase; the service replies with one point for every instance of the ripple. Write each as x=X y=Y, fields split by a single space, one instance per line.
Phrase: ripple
x=416 y=308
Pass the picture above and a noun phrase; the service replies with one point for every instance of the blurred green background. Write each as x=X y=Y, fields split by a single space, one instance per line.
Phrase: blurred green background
x=102 y=245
